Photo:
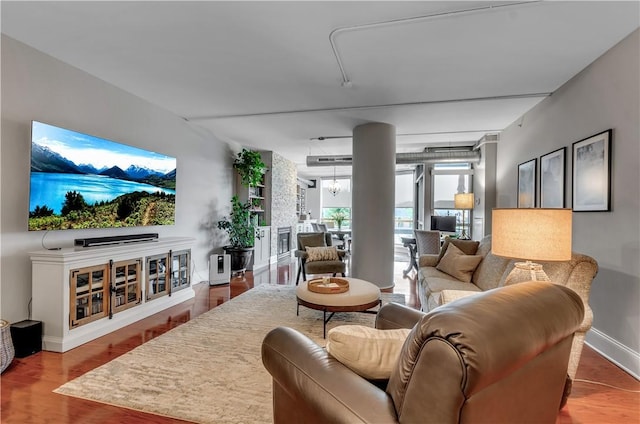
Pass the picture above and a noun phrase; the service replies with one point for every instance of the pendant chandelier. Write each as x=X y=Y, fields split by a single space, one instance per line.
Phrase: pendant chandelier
x=334 y=187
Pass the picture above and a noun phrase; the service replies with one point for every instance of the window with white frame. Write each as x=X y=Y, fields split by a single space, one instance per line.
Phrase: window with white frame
x=448 y=180
x=405 y=205
x=339 y=202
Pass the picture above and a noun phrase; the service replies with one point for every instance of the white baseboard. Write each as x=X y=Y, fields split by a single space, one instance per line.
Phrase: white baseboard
x=614 y=351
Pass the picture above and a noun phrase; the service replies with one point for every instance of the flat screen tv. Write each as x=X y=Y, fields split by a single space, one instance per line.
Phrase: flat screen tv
x=80 y=181
x=445 y=224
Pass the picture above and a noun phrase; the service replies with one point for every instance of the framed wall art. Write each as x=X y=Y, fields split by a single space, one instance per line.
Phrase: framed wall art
x=592 y=173
x=527 y=184
x=552 y=177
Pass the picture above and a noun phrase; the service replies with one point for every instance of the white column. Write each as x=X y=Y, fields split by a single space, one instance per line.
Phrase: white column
x=373 y=208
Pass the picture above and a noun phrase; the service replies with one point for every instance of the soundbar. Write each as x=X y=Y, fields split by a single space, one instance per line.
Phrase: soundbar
x=102 y=241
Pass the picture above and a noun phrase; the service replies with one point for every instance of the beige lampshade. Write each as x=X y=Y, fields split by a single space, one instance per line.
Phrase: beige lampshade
x=534 y=234
x=463 y=201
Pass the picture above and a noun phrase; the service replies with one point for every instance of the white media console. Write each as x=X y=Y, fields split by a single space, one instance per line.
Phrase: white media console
x=81 y=294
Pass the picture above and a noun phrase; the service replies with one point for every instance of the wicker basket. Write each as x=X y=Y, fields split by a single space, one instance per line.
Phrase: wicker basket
x=6 y=345
x=328 y=285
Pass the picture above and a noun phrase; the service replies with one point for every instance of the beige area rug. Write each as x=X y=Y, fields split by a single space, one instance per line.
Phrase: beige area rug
x=209 y=370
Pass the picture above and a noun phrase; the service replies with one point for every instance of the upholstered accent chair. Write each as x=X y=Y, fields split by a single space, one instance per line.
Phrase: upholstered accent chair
x=306 y=264
x=498 y=357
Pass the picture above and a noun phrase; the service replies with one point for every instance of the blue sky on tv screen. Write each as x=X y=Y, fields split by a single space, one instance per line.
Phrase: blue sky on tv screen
x=86 y=149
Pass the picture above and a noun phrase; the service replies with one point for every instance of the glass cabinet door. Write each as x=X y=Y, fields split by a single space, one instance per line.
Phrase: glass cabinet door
x=127 y=284
x=180 y=275
x=157 y=275
x=88 y=294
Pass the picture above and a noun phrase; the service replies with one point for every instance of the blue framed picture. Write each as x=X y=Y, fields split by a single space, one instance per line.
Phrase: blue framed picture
x=552 y=178
x=527 y=184
x=592 y=173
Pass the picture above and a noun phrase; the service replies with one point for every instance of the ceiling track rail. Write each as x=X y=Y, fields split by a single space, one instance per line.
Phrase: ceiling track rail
x=346 y=82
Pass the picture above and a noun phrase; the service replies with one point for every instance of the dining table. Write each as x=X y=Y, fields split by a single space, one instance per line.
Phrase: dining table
x=410 y=243
x=341 y=234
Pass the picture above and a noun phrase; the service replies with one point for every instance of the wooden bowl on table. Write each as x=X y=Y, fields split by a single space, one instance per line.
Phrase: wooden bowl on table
x=328 y=285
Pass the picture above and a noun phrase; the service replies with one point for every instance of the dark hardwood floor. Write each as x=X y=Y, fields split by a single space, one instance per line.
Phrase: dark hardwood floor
x=27 y=385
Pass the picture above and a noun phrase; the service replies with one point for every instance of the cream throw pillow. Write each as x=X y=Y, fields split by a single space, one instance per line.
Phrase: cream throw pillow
x=457 y=264
x=369 y=352
x=329 y=253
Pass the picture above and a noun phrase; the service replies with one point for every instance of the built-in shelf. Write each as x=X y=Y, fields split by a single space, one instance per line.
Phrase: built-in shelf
x=257 y=195
x=301 y=201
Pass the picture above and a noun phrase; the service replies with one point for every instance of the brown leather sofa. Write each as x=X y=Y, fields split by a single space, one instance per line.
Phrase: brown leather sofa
x=498 y=357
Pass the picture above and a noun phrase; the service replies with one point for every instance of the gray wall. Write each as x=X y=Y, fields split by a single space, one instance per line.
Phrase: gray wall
x=604 y=95
x=313 y=199
x=37 y=87
x=484 y=189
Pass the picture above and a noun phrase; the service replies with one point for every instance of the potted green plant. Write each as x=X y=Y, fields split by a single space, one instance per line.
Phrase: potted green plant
x=242 y=234
x=250 y=166
x=339 y=216
x=242 y=224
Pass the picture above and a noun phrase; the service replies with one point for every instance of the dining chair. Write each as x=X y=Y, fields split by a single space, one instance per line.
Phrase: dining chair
x=427 y=242
x=337 y=241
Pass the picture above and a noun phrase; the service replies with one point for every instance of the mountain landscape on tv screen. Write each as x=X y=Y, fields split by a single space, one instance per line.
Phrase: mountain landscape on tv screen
x=96 y=194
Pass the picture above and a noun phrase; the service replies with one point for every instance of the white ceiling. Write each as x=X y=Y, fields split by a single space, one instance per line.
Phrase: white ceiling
x=264 y=74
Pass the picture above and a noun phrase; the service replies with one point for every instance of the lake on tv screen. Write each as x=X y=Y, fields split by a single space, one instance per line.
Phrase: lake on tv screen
x=49 y=189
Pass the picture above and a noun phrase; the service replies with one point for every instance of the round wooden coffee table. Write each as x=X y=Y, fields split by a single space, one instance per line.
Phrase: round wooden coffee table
x=361 y=296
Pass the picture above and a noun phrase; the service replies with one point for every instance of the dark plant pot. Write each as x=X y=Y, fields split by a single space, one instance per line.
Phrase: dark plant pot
x=240 y=257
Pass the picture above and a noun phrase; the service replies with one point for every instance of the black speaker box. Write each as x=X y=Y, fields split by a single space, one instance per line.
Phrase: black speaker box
x=27 y=337
x=103 y=241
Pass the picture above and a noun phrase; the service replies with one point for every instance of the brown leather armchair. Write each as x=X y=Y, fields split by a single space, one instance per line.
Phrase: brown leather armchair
x=500 y=357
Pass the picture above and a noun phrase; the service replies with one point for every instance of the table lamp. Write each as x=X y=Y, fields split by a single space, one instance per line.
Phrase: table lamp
x=463 y=201
x=533 y=234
